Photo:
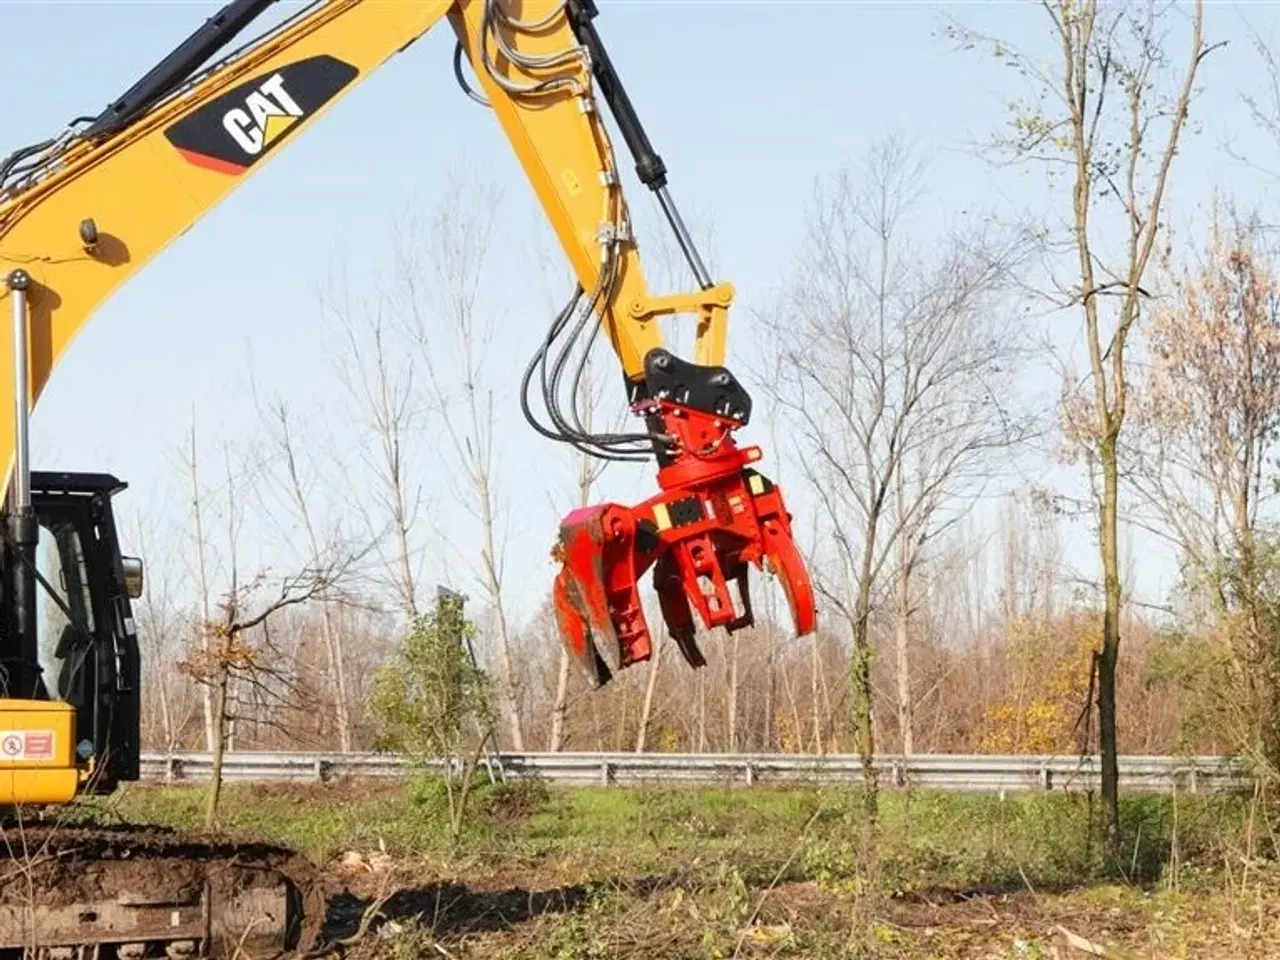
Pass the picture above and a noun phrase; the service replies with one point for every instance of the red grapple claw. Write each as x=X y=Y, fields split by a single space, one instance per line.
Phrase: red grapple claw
x=676 y=611
x=597 y=598
x=576 y=632
x=714 y=518
x=786 y=564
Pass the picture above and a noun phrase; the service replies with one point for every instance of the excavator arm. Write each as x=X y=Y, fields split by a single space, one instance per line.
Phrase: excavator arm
x=83 y=212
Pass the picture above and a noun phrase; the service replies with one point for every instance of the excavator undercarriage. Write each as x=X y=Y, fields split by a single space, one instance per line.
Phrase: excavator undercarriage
x=75 y=892
x=72 y=889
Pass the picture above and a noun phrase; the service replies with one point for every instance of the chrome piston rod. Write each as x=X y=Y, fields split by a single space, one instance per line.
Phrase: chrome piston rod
x=20 y=497
x=687 y=245
x=21 y=652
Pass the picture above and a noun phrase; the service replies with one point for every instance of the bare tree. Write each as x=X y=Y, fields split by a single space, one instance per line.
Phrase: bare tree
x=560 y=706
x=159 y=624
x=1262 y=100
x=440 y=269
x=282 y=429
x=1105 y=115
x=1207 y=422
x=248 y=604
x=909 y=546
x=379 y=377
x=199 y=552
x=660 y=636
x=889 y=367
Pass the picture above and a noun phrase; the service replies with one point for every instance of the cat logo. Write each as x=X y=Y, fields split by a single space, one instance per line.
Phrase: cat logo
x=233 y=131
x=267 y=112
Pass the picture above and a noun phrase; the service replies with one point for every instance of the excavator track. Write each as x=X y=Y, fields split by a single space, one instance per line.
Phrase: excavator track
x=75 y=892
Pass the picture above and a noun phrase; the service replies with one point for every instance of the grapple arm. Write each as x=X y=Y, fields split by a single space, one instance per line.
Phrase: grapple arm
x=715 y=516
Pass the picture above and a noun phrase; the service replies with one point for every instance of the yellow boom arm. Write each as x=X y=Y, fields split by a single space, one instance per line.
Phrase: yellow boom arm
x=99 y=208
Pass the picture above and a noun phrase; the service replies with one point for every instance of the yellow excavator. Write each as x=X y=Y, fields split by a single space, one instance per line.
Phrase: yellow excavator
x=83 y=211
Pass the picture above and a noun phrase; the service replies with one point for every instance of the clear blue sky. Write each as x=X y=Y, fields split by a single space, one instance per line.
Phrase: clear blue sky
x=748 y=102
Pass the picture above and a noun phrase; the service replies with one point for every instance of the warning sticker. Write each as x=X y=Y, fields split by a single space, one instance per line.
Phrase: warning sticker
x=26 y=745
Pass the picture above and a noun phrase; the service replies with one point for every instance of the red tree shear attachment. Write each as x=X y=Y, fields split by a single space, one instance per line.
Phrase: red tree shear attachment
x=714 y=518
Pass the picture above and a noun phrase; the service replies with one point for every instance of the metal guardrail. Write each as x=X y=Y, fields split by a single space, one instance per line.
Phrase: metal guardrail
x=949 y=772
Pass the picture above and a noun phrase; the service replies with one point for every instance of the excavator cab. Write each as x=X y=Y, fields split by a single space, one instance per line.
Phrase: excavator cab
x=69 y=681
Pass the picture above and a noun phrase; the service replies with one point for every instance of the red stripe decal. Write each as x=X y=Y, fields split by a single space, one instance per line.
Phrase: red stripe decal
x=212 y=163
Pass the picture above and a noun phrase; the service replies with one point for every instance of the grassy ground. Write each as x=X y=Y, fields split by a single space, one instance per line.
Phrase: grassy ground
x=611 y=872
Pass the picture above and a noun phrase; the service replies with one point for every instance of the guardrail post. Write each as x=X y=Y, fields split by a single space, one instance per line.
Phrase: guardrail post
x=751 y=773
x=1194 y=778
x=173 y=769
x=899 y=774
x=1046 y=777
x=606 y=773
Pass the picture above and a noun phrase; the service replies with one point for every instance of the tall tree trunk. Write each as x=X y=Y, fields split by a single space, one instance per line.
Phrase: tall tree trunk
x=408 y=589
x=646 y=707
x=902 y=639
x=702 y=712
x=337 y=669
x=815 y=697
x=860 y=675
x=733 y=693
x=905 y=717
x=511 y=687
x=202 y=585
x=225 y=638
x=385 y=395
x=166 y=713
x=1110 y=643
x=221 y=683
x=560 y=707
x=902 y=626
